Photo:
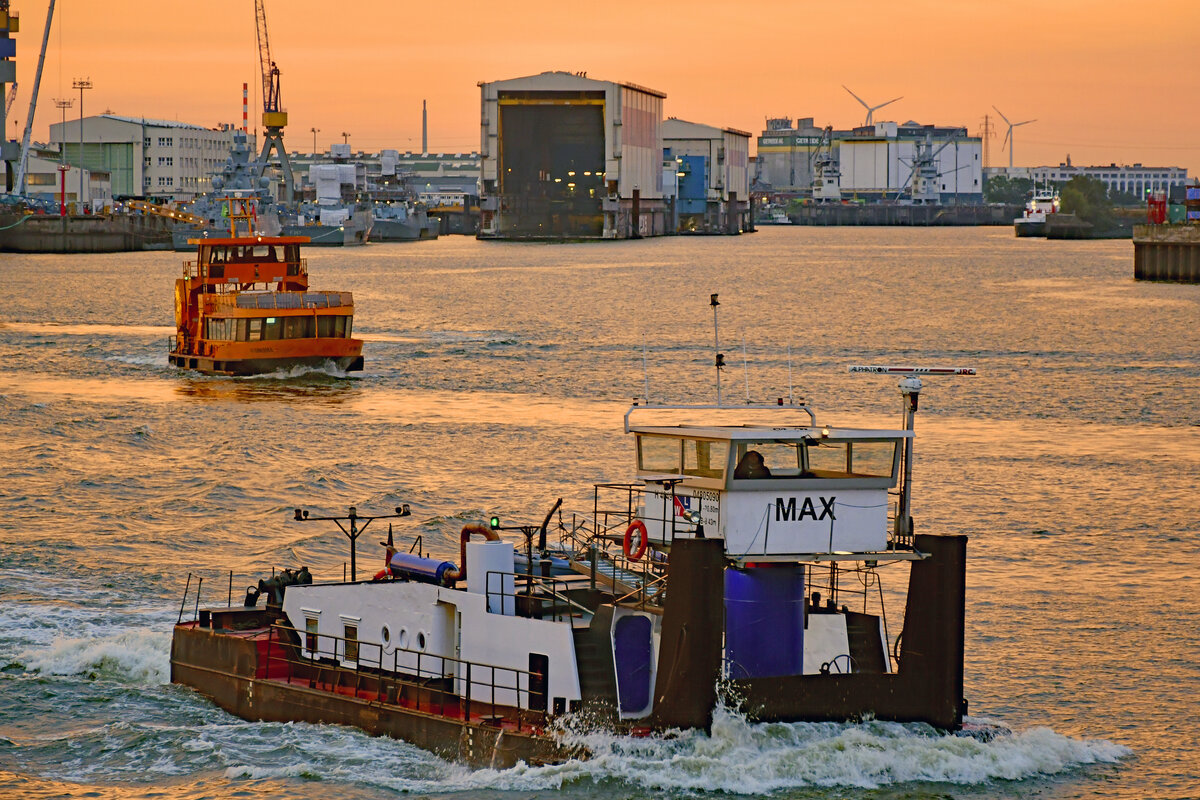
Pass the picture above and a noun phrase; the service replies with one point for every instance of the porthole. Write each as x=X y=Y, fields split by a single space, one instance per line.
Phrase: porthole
x=386 y=633
x=403 y=640
x=421 y=641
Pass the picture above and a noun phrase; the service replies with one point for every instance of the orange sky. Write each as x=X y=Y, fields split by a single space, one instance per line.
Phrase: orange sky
x=1106 y=81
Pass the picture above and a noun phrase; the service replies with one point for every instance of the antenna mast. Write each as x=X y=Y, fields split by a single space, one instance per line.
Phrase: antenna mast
x=910 y=390
x=720 y=360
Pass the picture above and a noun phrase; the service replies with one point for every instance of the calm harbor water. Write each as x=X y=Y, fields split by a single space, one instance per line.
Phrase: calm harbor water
x=496 y=377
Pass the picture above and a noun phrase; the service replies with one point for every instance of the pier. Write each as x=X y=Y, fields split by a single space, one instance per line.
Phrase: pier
x=1166 y=253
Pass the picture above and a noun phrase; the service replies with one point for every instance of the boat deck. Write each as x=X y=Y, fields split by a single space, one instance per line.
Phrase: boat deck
x=277 y=664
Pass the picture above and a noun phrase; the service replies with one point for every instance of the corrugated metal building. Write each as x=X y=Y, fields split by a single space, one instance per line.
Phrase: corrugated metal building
x=877 y=163
x=713 y=171
x=564 y=156
x=785 y=155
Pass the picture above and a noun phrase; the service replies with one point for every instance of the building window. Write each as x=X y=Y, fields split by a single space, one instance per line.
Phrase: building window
x=146 y=142
x=166 y=161
x=166 y=141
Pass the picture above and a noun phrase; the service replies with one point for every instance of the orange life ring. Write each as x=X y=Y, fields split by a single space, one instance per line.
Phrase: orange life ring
x=633 y=554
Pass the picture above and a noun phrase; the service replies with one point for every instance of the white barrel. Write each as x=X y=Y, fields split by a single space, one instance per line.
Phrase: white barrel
x=496 y=558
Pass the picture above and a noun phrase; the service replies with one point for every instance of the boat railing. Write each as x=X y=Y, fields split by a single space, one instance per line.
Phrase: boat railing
x=837 y=586
x=535 y=596
x=283 y=300
x=408 y=677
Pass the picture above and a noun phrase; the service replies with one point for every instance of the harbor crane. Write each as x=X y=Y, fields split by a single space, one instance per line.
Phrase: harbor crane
x=870 y=109
x=274 y=118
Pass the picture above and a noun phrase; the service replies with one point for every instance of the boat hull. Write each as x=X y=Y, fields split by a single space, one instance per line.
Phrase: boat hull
x=1029 y=228
x=261 y=366
x=409 y=230
x=233 y=671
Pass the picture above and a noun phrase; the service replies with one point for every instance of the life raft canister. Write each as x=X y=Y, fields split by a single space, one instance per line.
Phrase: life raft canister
x=634 y=552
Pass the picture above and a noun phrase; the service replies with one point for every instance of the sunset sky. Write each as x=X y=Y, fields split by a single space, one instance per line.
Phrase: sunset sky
x=1106 y=81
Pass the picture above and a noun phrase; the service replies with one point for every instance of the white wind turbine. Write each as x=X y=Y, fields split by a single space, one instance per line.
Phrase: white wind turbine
x=870 y=109
x=1008 y=137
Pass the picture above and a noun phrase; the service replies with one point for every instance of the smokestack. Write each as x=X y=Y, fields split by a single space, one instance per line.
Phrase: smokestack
x=424 y=129
x=246 y=108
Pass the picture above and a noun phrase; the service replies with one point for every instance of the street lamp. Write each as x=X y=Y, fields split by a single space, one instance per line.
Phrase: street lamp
x=315 y=131
x=84 y=83
x=62 y=156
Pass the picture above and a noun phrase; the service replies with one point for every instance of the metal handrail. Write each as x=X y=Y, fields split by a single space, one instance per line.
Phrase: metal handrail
x=389 y=679
x=526 y=590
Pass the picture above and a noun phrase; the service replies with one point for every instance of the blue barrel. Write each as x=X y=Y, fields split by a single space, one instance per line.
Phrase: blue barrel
x=422 y=570
x=764 y=621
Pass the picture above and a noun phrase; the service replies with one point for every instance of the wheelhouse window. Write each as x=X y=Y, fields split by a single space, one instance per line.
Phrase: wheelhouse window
x=351 y=638
x=658 y=454
x=815 y=458
x=705 y=459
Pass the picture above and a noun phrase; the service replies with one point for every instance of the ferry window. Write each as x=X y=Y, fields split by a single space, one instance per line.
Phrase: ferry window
x=242 y=330
x=351 y=642
x=339 y=327
x=272 y=328
x=310 y=634
x=325 y=326
x=658 y=454
x=256 y=329
x=349 y=326
x=873 y=458
x=294 y=327
x=705 y=459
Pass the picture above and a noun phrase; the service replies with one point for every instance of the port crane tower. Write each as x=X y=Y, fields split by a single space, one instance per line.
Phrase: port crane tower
x=274 y=118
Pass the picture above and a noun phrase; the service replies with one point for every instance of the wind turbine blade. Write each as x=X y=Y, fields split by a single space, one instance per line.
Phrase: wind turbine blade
x=1001 y=113
x=856 y=97
x=1026 y=122
x=889 y=102
x=1007 y=134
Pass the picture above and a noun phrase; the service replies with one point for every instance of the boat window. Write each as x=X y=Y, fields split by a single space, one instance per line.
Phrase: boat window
x=873 y=458
x=658 y=454
x=351 y=642
x=272 y=328
x=827 y=459
x=310 y=634
x=339 y=327
x=758 y=460
x=325 y=326
x=705 y=459
x=298 y=327
x=241 y=330
x=349 y=326
x=256 y=329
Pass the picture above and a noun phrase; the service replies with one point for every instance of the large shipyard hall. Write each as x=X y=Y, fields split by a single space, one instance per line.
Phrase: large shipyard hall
x=567 y=157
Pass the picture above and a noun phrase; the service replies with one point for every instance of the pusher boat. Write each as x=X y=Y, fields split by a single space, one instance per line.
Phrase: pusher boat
x=244 y=307
x=743 y=565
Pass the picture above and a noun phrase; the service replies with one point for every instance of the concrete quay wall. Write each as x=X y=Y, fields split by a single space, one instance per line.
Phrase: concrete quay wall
x=1166 y=253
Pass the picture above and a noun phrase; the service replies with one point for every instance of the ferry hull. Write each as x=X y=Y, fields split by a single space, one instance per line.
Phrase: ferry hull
x=261 y=366
x=1024 y=228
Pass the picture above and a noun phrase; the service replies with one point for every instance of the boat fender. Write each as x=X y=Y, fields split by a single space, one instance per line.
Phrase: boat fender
x=383 y=573
x=635 y=551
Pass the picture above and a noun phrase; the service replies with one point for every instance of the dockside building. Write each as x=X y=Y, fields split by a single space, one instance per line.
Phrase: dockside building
x=564 y=156
x=712 y=168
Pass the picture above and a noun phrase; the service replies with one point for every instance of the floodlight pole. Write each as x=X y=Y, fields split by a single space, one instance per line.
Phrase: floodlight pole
x=81 y=84
x=354 y=532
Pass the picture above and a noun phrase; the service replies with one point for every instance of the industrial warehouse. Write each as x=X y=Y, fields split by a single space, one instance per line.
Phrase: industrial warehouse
x=566 y=156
